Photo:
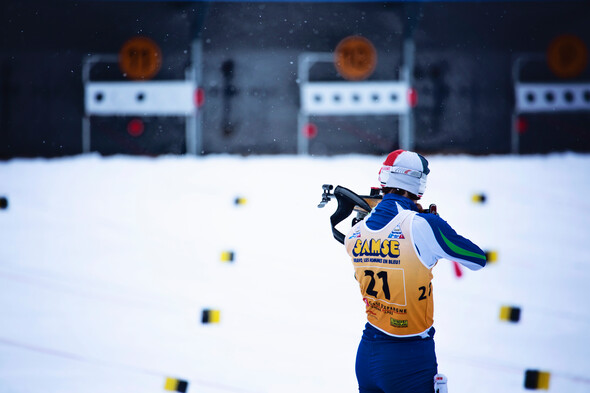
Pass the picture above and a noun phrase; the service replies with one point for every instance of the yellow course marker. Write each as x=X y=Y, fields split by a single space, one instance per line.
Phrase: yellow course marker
x=478 y=198
x=510 y=313
x=227 y=256
x=535 y=379
x=210 y=316
x=491 y=256
x=240 y=201
x=175 y=385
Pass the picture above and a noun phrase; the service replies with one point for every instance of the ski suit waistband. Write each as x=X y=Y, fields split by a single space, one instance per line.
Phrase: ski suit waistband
x=371 y=333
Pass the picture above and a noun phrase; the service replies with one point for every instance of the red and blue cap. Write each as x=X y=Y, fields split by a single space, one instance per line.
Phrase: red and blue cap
x=405 y=170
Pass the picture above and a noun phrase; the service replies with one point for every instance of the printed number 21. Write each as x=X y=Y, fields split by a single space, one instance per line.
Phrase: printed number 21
x=423 y=291
x=371 y=288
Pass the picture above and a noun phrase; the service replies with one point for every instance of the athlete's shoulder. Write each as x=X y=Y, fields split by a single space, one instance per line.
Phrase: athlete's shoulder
x=435 y=222
x=430 y=217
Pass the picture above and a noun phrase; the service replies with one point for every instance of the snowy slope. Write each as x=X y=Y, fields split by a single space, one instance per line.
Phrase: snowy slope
x=107 y=263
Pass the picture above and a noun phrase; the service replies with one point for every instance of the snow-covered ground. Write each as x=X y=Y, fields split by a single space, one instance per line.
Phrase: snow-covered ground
x=106 y=265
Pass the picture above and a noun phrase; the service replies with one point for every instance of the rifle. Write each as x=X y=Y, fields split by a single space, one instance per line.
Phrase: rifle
x=349 y=201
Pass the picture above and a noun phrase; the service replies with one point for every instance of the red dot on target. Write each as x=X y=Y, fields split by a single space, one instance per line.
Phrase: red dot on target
x=199 y=97
x=522 y=125
x=310 y=131
x=135 y=127
x=412 y=97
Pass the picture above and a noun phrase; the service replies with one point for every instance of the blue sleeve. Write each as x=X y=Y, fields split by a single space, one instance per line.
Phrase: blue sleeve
x=435 y=239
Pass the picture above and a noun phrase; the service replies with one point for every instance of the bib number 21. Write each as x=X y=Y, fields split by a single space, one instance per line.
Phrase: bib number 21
x=382 y=276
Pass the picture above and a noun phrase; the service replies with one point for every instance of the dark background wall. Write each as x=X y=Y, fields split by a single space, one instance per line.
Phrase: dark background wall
x=464 y=56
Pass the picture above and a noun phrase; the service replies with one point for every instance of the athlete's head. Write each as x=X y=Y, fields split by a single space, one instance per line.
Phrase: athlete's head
x=404 y=170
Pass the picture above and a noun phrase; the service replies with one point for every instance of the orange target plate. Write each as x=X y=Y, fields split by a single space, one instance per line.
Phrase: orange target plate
x=567 y=56
x=355 y=58
x=140 y=58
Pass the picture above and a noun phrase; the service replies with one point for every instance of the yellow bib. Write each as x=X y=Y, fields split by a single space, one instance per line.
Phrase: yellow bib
x=396 y=287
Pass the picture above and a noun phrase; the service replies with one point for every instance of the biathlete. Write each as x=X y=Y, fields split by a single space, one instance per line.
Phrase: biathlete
x=393 y=251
